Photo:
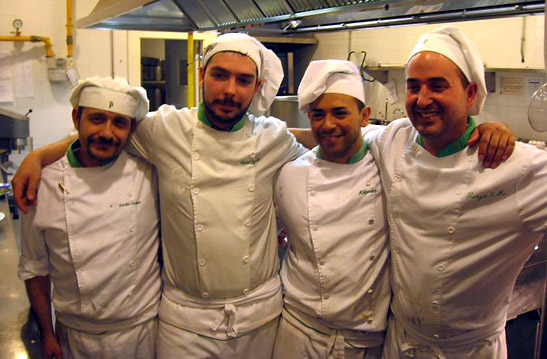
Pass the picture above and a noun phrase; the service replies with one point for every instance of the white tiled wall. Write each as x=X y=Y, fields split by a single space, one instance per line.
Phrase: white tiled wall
x=498 y=40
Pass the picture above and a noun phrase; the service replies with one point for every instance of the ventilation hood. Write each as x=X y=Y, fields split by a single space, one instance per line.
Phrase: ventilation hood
x=279 y=17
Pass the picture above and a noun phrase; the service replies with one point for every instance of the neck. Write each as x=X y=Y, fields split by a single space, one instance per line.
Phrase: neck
x=433 y=144
x=346 y=157
x=220 y=125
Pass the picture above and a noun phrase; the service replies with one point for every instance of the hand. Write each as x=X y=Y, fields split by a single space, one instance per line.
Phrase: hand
x=51 y=347
x=496 y=143
x=25 y=182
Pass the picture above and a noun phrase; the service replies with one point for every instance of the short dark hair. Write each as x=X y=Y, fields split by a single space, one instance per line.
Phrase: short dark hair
x=465 y=82
x=80 y=112
x=360 y=104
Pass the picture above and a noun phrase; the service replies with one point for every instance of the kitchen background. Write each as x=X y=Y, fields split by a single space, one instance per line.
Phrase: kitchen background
x=513 y=74
x=512 y=48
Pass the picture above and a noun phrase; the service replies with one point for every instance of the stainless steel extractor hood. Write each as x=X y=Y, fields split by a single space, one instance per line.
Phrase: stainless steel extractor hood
x=293 y=16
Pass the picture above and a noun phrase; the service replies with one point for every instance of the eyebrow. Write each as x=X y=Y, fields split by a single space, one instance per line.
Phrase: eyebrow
x=439 y=78
x=222 y=69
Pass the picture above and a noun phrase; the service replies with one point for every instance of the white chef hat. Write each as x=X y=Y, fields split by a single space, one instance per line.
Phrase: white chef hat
x=111 y=94
x=267 y=63
x=329 y=76
x=452 y=43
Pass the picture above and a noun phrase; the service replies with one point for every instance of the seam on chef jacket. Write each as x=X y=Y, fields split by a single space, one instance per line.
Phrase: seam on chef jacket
x=493 y=254
x=70 y=241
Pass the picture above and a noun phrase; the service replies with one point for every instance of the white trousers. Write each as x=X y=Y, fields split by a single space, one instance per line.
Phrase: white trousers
x=399 y=345
x=137 y=342
x=177 y=343
x=296 y=341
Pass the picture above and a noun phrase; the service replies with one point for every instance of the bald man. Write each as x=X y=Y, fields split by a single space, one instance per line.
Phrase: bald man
x=459 y=234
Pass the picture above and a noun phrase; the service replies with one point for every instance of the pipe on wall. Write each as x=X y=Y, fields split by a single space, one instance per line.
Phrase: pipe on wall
x=44 y=39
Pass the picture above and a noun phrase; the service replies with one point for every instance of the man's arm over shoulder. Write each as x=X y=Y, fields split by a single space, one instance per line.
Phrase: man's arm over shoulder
x=26 y=180
x=165 y=124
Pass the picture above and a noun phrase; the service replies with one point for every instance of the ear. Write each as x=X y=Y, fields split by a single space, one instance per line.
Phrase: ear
x=258 y=85
x=471 y=94
x=75 y=118
x=365 y=115
x=201 y=76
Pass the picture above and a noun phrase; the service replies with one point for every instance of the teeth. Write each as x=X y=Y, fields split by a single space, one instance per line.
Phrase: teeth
x=428 y=114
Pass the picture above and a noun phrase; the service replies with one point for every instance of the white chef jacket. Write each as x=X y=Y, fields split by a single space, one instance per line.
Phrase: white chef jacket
x=218 y=220
x=459 y=234
x=95 y=231
x=336 y=269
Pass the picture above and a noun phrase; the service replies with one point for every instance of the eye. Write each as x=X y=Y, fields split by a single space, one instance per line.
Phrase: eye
x=341 y=114
x=122 y=123
x=412 y=88
x=245 y=81
x=438 y=87
x=218 y=75
x=316 y=115
x=96 y=119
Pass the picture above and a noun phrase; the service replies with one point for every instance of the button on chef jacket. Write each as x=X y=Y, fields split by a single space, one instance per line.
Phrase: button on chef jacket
x=459 y=233
x=97 y=236
x=336 y=269
x=216 y=195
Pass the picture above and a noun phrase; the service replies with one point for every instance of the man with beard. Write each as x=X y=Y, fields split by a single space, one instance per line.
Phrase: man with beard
x=95 y=234
x=459 y=234
x=222 y=292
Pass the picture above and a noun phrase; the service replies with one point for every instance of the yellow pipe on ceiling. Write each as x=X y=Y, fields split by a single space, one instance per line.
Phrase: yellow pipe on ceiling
x=44 y=39
x=69 y=28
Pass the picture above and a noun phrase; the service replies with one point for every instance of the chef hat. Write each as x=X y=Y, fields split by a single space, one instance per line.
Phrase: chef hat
x=450 y=42
x=116 y=95
x=267 y=63
x=329 y=76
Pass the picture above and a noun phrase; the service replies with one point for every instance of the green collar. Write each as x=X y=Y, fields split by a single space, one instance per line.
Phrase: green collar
x=203 y=118
x=358 y=156
x=455 y=146
x=73 y=160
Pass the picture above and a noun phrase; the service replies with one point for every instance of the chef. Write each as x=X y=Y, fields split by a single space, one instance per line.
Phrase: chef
x=95 y=234
x=335 y=274
x=456 y=259
x=222 y=292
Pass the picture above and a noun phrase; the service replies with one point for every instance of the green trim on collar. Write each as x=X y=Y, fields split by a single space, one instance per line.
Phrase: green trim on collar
x=73 y=160
x=358 y=156
x=203 y=118
x=455 y=146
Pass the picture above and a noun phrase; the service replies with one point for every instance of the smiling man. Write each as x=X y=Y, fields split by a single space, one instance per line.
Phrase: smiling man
x=459 y=234
x=216 y=163
x=336 y=273
x=95 y=234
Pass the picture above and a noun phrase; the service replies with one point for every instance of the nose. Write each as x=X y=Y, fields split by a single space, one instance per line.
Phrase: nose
x=231 y=86
x=107 y=131
x=329 y=124
x=424 y=97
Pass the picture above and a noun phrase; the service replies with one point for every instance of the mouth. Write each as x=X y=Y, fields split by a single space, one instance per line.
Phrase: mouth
x=226 y=106
x=428 y=116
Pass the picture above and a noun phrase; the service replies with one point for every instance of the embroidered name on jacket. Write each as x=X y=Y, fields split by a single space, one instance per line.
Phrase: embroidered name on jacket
x=479 y=197
x=364 y=192
x=251 y=161
x=133 y=203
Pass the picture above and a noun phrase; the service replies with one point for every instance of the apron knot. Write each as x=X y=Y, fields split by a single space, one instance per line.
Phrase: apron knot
x=228 y=312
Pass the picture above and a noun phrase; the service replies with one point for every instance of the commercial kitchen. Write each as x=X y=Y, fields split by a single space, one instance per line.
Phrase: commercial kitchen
x=46 y=46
